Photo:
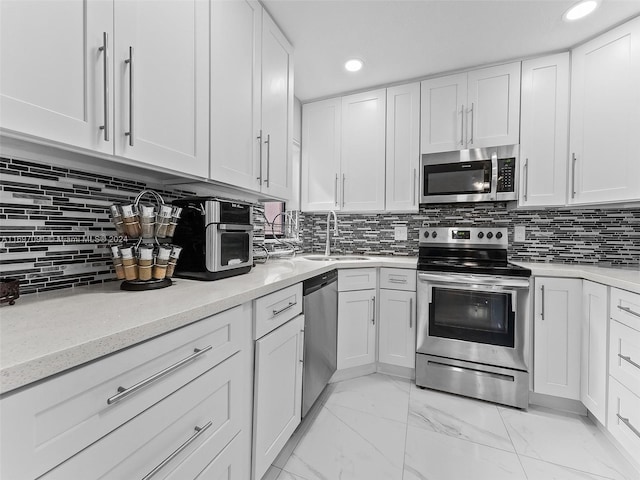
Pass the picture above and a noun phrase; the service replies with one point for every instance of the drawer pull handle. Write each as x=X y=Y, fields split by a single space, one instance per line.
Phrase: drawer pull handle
x=628 y=424
x=177 y=451
x=628 y=359
x=398 y=280
x=628 y=310
x=125 y=392
x=278 y=312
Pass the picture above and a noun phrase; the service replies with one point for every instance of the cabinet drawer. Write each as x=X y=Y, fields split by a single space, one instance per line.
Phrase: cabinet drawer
x=625 y=307
x=356 y=279
x=624 y=356
x=398 y=279
x=57 y=418
x=205 y=410
x=276 y=309
x=624 y=416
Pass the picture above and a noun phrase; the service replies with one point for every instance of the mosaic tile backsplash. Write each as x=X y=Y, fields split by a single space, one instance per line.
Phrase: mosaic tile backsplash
x=55 y=227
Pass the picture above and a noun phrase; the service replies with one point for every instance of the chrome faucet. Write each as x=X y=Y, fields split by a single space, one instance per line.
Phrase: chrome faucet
x=327 y=250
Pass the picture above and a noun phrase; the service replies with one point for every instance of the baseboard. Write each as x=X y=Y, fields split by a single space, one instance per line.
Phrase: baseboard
x=396 y=371
x=635 y=462
x=557 y=403
x=353 y=372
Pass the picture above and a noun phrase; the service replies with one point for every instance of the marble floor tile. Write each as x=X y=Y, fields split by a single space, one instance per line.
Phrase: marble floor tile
x=284 y=475
x=459 y=417
x=539 y=470
x=346 y=444
x=435 y=456
x=380 y=395
x=565 y=439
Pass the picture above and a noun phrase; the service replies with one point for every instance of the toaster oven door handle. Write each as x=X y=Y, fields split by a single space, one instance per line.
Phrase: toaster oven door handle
x=228 y=227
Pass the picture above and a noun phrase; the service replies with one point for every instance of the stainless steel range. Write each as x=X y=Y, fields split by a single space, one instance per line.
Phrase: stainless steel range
x=473 y=328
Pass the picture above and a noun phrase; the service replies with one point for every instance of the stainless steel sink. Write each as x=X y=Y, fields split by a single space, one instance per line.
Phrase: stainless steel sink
x=322 y=258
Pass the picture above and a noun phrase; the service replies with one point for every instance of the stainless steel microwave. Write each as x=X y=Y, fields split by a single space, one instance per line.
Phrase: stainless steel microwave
x=474 y=175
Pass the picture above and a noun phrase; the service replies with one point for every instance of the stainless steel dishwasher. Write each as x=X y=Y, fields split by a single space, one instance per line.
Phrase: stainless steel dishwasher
x=320 y=335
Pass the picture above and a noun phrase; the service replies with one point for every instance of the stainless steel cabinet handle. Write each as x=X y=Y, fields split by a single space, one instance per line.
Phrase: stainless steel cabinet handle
x=268 y=143
x=278 y=312
x=526 y=179
x=471 y=136
x=373 y=317
x=628 y=310
x=573 y=175
x=398 y=280
x=301 y=347
x=628 y=424
x=542 y=301
x=628 y=359
x=410 y=313
x=177 y=451
x=259 y=138
x=130 y=62
x=105 y=80
x=335 y=191
x=413 y=195
x=125 y=392
x=462 y=125
x=343 y=180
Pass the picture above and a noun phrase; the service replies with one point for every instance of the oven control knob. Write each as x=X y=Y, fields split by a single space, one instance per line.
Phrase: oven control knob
x=426 y=234
x=434 y=234
x=480 y=234
x=489 y=235
x=499 y=235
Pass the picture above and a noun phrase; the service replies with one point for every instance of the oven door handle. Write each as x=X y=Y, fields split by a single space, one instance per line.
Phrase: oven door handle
x=466 y=280
x=227 y=227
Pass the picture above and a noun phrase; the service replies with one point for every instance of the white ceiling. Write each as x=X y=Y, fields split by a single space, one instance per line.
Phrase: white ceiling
x=409 y=39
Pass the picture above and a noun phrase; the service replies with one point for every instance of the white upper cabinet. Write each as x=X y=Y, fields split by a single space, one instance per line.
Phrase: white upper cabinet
x=236 y=31
x=321 y=132
x=605 y=117
x=544 y=131
x=54 y=81
x=477 y=109
x=161 y=69
x=363 y=151
x=403 y=148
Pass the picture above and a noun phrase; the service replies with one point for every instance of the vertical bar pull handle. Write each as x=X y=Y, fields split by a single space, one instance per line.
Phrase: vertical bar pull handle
x=526 y=179
x=471 y=136
x=542 y=302
x=573 y=175
x=410 y=313
x=462 y=125
x=259 y=138
x=105 y=81
x=130 y=62
x=343 y=180
x=414 y=186
x=268 y=143
x=373 y=317
x=335 y=191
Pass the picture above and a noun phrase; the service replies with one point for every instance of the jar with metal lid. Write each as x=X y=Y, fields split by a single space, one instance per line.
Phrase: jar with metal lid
x=117 y=263
x=162 y=221
x=147 y=220
x=131 y=221
x=162 y=259
x=145 y=262
x=130 y=264
x=116 y=218
x=173 y=259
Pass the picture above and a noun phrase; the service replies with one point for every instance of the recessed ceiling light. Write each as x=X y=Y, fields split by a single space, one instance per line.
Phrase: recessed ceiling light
x=580 y=10
x=353 y=64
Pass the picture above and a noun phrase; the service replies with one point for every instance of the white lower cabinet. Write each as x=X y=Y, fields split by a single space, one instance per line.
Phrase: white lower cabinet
x=356 y=328
x=557 y=337
x=624 y=417
x=593 y=365
x=277 y=392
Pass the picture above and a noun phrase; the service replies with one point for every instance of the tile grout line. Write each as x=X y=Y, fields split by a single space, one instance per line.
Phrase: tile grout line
x=515 y=450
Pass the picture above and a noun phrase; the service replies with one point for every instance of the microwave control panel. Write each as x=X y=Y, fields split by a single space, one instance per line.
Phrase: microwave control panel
x=506 y=174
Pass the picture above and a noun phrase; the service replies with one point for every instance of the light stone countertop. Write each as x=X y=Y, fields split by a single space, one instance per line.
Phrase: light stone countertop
x=45 y=334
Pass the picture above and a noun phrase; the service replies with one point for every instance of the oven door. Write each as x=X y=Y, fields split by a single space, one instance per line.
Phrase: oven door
x=476 y=318
x=231 y=247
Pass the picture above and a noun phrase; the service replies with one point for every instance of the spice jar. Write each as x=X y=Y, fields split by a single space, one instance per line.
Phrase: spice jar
x=116 y=218
x=145 y=262
x=175 y=216
x=173 y=259
x=147 y=220
x=162 y=221
x=160 y=268
x=129 y=263
x=131 y=221
x=117 y=263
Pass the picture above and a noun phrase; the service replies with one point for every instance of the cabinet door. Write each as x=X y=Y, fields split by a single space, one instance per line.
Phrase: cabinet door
x=236 y=29
x=493 y=109
x=443 y=102
x=544 y=131
x=363 y=151
x=277 y=392
x=557 y=337
x=605 y=115
x=397 y=339
x=277 y=110
x=53 y=83
x=403 y=147
x=593 y=376
x=356 y=328
x=162 y=83
x=321 y=133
